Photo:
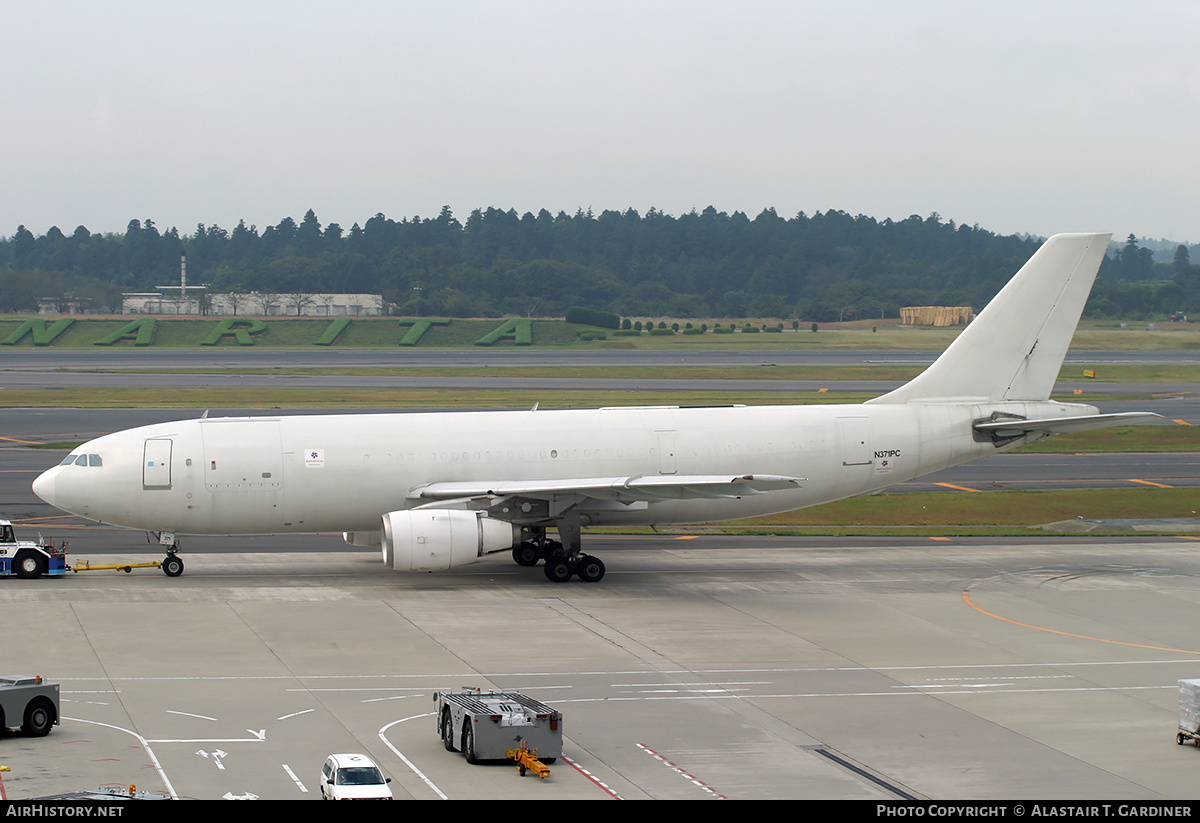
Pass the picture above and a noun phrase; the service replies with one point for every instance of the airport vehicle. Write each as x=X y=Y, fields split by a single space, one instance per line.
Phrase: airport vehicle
x=30 y=701
x=439 y=490
x=1189 y=712
x=353 y=777
x=493 y=725
x=27 y=559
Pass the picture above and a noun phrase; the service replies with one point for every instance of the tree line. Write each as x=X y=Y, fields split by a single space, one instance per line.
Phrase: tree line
x=820 y=267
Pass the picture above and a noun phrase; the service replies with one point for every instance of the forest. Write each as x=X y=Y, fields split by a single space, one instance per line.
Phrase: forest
x=708 y=264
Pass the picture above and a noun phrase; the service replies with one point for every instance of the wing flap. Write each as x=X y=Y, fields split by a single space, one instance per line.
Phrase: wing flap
x=637 y=487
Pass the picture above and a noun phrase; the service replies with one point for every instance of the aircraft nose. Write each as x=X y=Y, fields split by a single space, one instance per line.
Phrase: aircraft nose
x=44 y=485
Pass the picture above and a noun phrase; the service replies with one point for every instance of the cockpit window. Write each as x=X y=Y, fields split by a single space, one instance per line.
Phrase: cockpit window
x=82 y=460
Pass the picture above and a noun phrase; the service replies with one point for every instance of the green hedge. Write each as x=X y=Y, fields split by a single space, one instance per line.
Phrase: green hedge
x=592 y=317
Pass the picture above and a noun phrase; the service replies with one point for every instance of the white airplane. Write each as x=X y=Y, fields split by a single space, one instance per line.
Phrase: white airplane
x=437 y=490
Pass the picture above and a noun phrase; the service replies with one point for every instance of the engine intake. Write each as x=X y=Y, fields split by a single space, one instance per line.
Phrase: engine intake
x=436 y=539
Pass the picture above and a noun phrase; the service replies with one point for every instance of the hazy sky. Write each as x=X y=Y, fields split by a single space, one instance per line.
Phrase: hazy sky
x=1047 y=116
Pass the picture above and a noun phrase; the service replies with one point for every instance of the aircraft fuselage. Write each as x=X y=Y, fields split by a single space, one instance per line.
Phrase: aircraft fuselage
x=320 y=473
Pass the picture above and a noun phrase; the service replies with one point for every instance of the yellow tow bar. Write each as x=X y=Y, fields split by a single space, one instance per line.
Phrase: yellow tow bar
x=84 y=566
x=526 y=759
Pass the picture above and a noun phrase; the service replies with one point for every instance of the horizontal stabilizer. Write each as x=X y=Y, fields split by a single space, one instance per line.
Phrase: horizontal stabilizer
x=638 y=487
x=1062 y=425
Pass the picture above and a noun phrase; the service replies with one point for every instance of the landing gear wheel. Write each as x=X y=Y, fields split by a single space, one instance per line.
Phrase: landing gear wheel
x=172 y=566
x=1179 y=738
x=590 y=569
x=29 y=565
x=39 y=717
x=558 y=570
x=526 y=554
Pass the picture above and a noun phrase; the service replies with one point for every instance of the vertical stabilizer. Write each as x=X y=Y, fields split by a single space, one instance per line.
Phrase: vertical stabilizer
x=1014 y=349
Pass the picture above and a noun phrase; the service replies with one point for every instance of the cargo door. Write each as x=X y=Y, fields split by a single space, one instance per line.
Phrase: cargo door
x=156 y=463
x=242 y=455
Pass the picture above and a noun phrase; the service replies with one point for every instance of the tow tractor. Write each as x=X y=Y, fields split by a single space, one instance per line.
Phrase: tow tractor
x=30 y=702
x=489 y=725
x=28 y=559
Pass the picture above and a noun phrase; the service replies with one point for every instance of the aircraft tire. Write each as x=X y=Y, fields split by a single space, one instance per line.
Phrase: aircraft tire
x=172 y=566
x=558 y=570
x=526 y=554
x=590 y=569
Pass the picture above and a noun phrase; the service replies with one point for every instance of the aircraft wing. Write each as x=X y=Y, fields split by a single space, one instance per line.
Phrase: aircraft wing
x=1062 y=425
x=623 y=489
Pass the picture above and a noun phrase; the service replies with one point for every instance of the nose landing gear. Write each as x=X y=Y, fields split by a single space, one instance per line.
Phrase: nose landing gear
x=172 y=564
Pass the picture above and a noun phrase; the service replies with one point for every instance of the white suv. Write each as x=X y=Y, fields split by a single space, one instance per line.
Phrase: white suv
x=353 y=777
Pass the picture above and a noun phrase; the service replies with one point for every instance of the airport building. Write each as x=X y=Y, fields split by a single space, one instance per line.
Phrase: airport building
x=262 y=304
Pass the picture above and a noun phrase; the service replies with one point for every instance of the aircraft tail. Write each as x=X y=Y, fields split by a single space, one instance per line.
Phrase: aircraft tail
x=1014 y=349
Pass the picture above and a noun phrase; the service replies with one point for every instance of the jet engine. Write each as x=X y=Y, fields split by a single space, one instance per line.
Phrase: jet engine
x=435 y=539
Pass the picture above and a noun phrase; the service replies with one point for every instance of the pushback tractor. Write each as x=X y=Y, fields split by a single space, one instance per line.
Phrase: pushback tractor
x=490 y=725
x=27 y=559
x=29 y=702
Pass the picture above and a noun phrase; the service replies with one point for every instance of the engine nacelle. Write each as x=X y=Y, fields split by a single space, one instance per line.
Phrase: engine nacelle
x=436 y=539
x=371 y=539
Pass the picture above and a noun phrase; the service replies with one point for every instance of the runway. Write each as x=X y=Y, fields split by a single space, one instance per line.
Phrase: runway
x=169 y=369
x=702 y=667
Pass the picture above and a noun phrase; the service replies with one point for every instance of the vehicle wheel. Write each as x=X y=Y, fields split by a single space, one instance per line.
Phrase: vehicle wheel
x=526 y=554
x=447 y=731
x=557 y=570
x=469 y=741
x=590 y=569
x=29 y=565
x=172 y=566
x=549 y=761
x=39 y=717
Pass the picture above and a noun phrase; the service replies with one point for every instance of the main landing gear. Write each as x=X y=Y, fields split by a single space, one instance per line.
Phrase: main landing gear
x=562 y=563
